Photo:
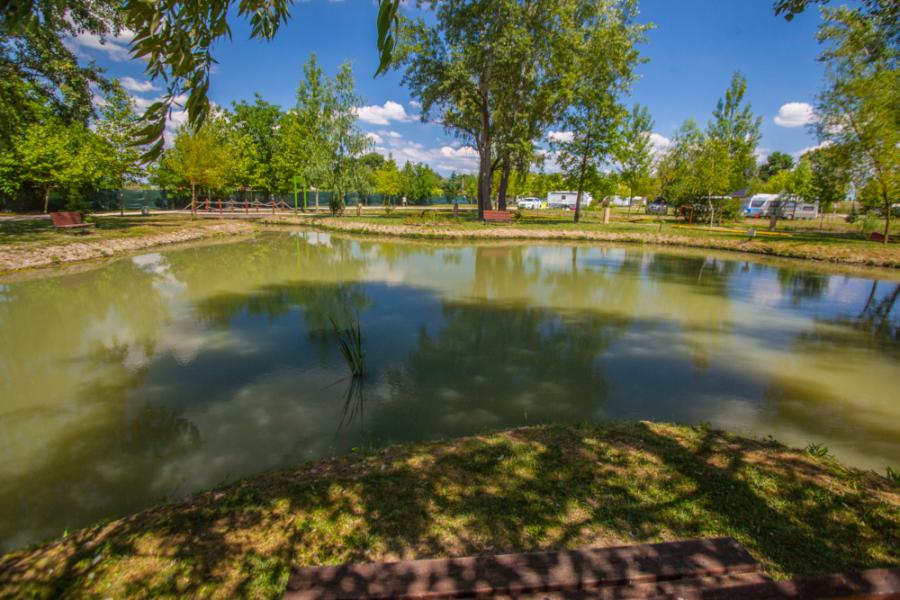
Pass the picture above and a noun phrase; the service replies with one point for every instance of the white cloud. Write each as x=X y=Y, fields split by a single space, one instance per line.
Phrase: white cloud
x=416 y=105
x=659 y=143
x=795 y=114
x=803 y=151
x=390 y=134
x=115 y=48
x=762 y=154
x=560 y=136
x=462 y=152
x=382 y=115
x=133 y=85
x=375 y=138
x=444 y=159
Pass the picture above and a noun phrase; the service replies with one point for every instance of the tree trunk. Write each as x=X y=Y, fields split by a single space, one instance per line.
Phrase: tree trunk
x=46 y=199
x=887 y=216
x=580 y=188
x=504 y=184
x=484 y=181
x=317 y=200
x=773 y=218
x=193 y=199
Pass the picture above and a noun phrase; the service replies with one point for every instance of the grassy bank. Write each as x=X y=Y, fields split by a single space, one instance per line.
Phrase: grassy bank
x=835 y=242
x=36 y=243
x=524 y=489
x=30 y=244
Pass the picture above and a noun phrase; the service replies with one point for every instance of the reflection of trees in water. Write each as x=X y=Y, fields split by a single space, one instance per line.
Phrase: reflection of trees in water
x=703 y=309
x=499 y=366
x=802 y=285
x=502 y=272
x=876 y=326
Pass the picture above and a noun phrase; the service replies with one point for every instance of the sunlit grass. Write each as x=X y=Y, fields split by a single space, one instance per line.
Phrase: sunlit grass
x=519 y=490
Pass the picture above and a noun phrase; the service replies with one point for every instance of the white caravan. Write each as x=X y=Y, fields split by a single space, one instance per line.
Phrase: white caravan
x=567 y=199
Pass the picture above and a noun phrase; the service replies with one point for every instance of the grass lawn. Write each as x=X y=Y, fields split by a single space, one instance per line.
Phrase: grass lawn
x=35 y=243
x=39 y=233
x=518 y=490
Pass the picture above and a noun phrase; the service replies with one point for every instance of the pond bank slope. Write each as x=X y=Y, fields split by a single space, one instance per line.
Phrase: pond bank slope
x=516 y=490
x=809 y=247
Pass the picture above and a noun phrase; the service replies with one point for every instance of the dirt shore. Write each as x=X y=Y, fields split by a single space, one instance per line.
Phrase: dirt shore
x=16 y=257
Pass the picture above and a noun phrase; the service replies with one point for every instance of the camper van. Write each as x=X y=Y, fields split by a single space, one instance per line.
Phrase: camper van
x=567 y=199
x=791 y=207
x=758 y=205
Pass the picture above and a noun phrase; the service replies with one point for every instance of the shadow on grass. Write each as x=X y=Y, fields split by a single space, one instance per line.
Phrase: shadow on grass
x=520 y=490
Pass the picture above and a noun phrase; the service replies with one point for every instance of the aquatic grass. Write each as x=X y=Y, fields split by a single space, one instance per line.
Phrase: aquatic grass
x=350 y=344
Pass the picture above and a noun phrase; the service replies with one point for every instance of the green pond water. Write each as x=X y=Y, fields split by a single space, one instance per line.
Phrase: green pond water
x=144 y=379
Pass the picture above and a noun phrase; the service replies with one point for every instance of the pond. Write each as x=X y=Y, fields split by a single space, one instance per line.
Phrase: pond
x=149 y=377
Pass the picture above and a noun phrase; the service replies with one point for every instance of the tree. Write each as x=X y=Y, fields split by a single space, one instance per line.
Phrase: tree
x=858 y=109
x=604 y=72
x=199 y=158
x=173 y=37
x=830 y=176
x=51 y=155
x=257 y=124
x=387 y=180
x=345 y=142
x=635 y=153
x=40 y=75
x=775 y=162
x=735 y=129
x=304 y=137
x=679 y=180
x=497 y=73
x=117 y=126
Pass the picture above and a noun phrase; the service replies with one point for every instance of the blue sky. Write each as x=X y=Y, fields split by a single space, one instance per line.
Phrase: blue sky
x=692 y=53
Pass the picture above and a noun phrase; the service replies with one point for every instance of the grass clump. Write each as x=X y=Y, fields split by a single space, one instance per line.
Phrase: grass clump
x=351 y=346
x=562 y=486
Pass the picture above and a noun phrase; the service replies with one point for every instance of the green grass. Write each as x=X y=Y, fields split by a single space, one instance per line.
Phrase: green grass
x=518 y=490
x=41 y=233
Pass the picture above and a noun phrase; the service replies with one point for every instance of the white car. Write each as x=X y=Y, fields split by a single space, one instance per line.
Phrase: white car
x=529 y=203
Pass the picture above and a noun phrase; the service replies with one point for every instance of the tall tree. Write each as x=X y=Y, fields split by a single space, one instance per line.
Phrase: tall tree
x=736 y=129
x=258 y=122
x=635 y=153
x=388 y=182
x=304 y=138
x=604 y=72
x=199 y=158
x=830 y=176
x=859 y=109
x=345 y=142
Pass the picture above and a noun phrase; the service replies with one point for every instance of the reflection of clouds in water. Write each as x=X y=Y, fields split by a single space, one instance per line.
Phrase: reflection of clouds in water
x=765 y=291
x=314 y=238
x=288 y=416
x=182 y=336
x=386 y=274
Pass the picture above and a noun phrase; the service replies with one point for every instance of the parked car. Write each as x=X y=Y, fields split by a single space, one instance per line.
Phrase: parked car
x=657 y=208
x=530 y=203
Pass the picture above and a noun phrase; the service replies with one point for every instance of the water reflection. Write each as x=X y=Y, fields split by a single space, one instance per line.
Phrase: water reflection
x=151 y=377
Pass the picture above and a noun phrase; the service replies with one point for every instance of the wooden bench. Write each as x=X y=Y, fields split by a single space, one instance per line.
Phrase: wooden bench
x=497 y=216
x=879 y=237
x=706 y=569
x=69 y=220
